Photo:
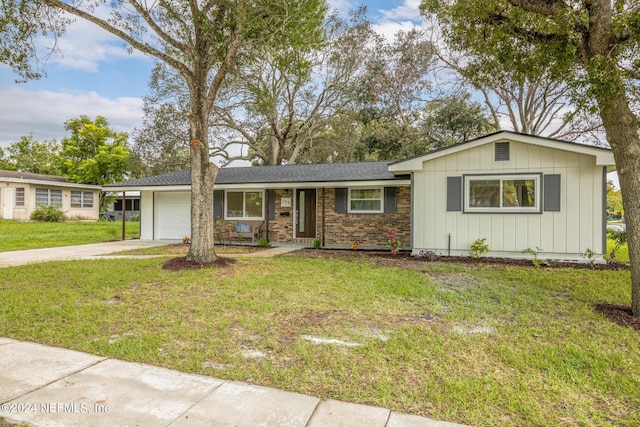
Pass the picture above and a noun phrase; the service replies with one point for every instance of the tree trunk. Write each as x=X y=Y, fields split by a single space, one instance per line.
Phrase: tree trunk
x=203 y=175
x=619 y=122
x=622 y=134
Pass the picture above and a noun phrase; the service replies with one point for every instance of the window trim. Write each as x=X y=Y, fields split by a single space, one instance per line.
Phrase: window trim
x=48 y=190
x=21 y=197
x=82 y=205
x=537 y=177
x=360 y=211
x=244 y=205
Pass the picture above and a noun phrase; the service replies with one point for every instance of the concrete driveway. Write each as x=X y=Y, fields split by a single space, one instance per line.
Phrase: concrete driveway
x=30 y=256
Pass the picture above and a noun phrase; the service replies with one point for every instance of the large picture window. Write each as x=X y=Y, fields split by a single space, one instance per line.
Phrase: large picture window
x=244 y=205
x=365 y=200
x=48 y=197
x=502 y=193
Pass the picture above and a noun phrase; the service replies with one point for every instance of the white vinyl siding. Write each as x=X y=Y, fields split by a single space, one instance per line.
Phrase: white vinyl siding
x=569 y=231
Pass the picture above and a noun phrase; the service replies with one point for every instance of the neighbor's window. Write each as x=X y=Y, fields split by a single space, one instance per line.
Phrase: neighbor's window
x=81 y=199
x=365 y=200
x=244 y=205
x=19 y=196
x=48 y=197
x=502 y=193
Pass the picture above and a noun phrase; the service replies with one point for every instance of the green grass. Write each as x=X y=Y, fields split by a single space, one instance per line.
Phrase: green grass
x=622 y=255
x=481 y=345
x=18 y=235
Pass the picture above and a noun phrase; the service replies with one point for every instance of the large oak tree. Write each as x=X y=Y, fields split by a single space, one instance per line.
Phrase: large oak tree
x=591 y=45
x=202 y=40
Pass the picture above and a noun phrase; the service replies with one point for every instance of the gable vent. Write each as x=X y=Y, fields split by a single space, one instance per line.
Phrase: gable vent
x=502 y=151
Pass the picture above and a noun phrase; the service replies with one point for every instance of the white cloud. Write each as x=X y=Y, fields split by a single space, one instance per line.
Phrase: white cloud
x=43 y=113
x=407 y=11
x=404 y=17
x=84 y=45
x=388 y=29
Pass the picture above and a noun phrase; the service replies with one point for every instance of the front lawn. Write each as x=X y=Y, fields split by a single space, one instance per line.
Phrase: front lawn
x=481 y=345
x=18 y=235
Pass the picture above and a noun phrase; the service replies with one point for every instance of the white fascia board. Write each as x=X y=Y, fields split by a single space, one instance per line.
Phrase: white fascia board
x=276 y=185
x=603 y=157
x=149 y=188
x=51 y=183
x=335 y=184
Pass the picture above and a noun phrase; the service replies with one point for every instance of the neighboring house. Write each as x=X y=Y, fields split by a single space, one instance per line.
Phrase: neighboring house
x=131 y=205
x=22 y=192
x=338 y=203
x=517 y=191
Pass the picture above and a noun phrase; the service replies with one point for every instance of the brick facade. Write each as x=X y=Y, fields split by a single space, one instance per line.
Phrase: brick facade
x=340 y=229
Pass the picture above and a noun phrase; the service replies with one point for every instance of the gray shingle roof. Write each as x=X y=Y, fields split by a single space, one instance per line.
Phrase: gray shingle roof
x=32 y=176
x=328 y=172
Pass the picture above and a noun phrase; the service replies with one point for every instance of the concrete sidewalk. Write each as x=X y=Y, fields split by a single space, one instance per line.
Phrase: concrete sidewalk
x=62 y=253
x=47 y=386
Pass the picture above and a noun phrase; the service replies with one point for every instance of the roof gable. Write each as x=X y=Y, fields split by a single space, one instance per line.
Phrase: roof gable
x=603 y=156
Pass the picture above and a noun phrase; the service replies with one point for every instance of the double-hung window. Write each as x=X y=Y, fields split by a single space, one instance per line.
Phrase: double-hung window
x=20 y=196
x=366 y=200
x=244 y=205
x=502 y=193
x=81 y=199
x=48 y=197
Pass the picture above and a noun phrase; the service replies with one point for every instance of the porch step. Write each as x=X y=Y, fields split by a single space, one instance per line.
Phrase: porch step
x=303 y=241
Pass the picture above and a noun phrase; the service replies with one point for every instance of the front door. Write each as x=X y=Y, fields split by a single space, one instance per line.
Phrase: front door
x=306 y=213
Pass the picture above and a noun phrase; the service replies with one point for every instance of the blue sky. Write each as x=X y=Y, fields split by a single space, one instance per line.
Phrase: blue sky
x=96 y=76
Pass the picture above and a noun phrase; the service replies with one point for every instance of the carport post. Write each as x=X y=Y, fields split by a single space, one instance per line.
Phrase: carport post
x=124 y=212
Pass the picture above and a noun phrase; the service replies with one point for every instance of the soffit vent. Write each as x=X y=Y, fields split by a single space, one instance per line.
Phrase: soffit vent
x=502 y=151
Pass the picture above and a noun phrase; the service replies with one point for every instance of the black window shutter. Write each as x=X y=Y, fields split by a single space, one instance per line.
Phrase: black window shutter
x=218 y=204
x=390 y=199
x=551 y=193
x=502 y=151
x=272 y=204
x=341 y=200
x=454 y=193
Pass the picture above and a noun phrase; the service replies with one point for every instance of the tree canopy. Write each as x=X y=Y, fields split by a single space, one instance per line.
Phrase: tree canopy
x=29 y=155
x=202 y=42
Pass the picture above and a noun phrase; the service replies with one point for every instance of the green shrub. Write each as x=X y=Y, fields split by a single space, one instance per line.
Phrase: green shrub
x=317 y=243
x=479 y=248
x=263 y=243
x=48 y=214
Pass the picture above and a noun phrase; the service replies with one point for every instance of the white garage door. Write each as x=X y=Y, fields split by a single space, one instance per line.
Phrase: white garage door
x=173 y=215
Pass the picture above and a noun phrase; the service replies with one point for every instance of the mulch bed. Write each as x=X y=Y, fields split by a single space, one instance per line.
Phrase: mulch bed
x=176 y=264
x=404 y=257
x=620 y=314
